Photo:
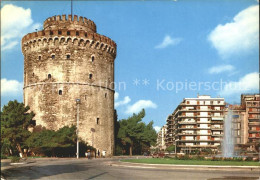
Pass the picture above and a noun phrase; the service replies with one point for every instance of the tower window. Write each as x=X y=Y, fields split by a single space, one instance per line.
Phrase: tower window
x=105 y=95
x=77 y=33
x=49 y=76
x=90 y=76
x=68 y=56
x=86 y=35
x=53 y=56
x=51 y=32
x=92 y=58
x=60 y=92
x=98 y=121
x=68 y=32
x=59 y=32
x=40 y=57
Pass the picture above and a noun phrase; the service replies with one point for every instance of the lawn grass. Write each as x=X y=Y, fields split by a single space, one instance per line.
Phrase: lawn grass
x=192 y=162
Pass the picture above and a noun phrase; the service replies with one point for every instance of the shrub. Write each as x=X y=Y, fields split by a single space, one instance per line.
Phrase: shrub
x=237 y=159
x=185 y=157
x=216 y=158
x=249 y=159
x=200 y=158
x=15 y=159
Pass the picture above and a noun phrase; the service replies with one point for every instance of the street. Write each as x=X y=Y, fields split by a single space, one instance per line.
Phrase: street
x=104 y=169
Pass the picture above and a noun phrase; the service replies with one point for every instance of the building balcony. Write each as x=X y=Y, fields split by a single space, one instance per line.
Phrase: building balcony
x=201 y=122
x=218 y=135
x=253 y=112
x=253 y=124
x=203 y=134
x=199 y=140
x=217 y=128
x=254 y=137
x=217 y=118
x=187 y=122
x=253 y=131
x=198 y=146
x=186 y=134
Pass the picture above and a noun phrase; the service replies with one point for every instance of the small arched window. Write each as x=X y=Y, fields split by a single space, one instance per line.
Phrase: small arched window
x=105 y=95
x=49 y=76
x=53 y=56
x=68 y=32
x=92 y=58
x=40 y=58
x=59 y=32
x=60 y=92
x=68 y=56
x=98 y=121
x=90 y=76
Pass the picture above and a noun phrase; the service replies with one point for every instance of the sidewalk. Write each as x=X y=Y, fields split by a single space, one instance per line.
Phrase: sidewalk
x=185 y=167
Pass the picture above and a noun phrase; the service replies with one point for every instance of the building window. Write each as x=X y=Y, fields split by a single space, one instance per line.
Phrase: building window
x=33 y=74
x=105 y=95
x=59 y=32
x=49 y=76
x=98 y=121
x=90 y=76
x=53 y=56
x=86 y=35
x=51 y=32
x=92 y=58
x=40 y=57
x=60 y=92
x=68 y=32
x=85 y=97
x=77 y=33
x=68 y=56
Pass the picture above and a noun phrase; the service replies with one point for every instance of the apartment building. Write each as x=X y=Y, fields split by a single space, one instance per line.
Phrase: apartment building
x=196 y=123
x=161 y=138
x=251 y=104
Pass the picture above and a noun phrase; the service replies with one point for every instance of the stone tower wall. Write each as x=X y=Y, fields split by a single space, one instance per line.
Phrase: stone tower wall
x=67 y=61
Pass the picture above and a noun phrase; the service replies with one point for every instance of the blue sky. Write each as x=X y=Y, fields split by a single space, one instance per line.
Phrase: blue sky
x=165 y=50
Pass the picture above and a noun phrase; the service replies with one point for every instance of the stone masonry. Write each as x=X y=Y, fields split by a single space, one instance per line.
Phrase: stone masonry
x=66 y=61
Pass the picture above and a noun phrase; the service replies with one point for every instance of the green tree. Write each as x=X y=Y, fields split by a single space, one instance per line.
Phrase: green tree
x=136 y=135
x=15 y=121
x=45 y=141
x=170 y=148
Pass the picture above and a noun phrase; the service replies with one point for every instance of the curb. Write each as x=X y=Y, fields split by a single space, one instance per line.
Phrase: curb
x=187 y=167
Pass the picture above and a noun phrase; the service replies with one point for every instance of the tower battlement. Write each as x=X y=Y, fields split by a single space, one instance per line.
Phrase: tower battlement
x=69 y=22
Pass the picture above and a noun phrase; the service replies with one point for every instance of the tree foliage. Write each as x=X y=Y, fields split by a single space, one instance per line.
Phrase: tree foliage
x=170 y=148
x=134 y=135
x=15 y=121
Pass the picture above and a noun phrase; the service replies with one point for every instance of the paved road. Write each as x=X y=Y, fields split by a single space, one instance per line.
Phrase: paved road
x=103 y=169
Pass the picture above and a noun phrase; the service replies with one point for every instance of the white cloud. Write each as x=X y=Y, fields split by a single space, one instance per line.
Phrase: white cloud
x=157 y=128
x=123 y=102
x=139 y=105
x=239 y=36
x=15 y=23
x=167 y=41
x=11 y=87
x=248 y=83
x=221 y=68
x=116 y=96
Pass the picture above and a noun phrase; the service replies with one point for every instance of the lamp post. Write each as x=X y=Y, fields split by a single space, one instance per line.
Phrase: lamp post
x=77 y=131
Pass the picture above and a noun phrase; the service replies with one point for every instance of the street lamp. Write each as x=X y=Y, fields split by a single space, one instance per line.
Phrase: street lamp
x=77 y=131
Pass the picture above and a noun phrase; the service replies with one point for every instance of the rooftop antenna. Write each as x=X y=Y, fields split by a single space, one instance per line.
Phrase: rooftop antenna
x=71 y=7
